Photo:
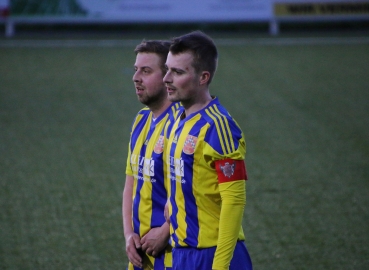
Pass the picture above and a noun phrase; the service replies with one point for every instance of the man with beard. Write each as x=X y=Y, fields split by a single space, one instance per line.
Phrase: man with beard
x=145 y=229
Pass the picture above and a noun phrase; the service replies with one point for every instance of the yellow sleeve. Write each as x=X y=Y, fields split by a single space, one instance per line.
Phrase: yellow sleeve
x=233 y=196
x=128 y=163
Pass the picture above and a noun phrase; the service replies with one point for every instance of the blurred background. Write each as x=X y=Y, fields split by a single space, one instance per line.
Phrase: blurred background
x=294 y=74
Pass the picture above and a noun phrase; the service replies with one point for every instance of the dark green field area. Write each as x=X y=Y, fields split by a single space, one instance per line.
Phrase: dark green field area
x=65 y=115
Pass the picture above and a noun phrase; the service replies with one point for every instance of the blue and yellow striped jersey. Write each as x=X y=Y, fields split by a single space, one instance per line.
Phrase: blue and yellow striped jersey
x=192 y=149
x=145 y=163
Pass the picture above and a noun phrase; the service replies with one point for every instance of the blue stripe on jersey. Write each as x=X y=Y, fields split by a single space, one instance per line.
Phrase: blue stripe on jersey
x=137 y=198
x=218 y=127
x=138 y=128
x=174 y=223
x=192 y=220
x=173 y=188
x=141 y=126
x=158 y=192
x=144 y=136
x=213 y=134
x=226 y=127
x=191 y=211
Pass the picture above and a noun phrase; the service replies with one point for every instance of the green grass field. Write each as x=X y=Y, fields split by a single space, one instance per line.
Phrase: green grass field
x=65 y=114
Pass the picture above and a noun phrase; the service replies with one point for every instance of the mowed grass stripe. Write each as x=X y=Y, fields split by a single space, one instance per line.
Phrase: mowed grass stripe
x=65 y=115
x=63 y=119
x=304 y=147
x=127 y=42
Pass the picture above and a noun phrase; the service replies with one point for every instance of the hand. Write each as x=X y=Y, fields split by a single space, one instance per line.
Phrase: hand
x=155 y=240
x=166 y=212
x=132 y=246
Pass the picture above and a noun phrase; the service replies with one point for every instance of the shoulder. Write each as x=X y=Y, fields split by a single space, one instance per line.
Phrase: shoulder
x=222 y=126
x=143 y=114
x=144 y=111
x=216 y=114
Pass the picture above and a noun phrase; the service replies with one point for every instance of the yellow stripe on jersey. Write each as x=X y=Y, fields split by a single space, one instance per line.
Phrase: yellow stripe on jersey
x=195 y=143
x=227 y=127
x=218 y=130
x=138 y=118
x=205 y=220
x=181 y=219
x=225 y=132
x=145 y=208
x=128 y=164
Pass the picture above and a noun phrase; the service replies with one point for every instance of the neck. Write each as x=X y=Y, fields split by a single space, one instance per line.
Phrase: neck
x=196 y=105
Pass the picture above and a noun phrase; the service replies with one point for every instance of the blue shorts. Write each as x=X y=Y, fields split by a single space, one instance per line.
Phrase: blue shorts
x=202 y=258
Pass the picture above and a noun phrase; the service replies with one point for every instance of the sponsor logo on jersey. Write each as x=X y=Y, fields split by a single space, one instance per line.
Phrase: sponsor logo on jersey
x=189 y=145
x=148 y=168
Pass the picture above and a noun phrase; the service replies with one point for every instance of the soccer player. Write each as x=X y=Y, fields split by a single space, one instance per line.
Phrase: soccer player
x=206 y=172
x=145 y=230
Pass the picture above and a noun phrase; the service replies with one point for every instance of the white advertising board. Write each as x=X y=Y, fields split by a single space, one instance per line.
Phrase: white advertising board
x=178 y=11
x=148 y=10
x=14 y=12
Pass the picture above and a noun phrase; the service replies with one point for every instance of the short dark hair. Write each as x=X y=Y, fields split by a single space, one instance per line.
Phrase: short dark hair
x=203 y=49
x=159 y=47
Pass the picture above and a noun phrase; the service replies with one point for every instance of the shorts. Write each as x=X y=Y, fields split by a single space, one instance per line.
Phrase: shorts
x=202 y=258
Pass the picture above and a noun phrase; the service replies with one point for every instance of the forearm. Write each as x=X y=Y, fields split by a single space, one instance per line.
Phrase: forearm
x=233 y=202
x=132 y=240
x=127 y=206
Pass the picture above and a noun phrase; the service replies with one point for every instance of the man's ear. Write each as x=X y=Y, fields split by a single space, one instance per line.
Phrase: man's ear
x=204 y=77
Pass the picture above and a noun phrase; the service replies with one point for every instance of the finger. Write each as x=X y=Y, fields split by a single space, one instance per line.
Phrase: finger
x=137 y=242
x=134 y=253
x=143 y=240
x=137 y=264
x=144 y=247
x=135 y=258
x=150 y=251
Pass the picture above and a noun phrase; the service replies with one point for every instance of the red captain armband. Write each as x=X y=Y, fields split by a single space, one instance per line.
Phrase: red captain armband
x=230 y=170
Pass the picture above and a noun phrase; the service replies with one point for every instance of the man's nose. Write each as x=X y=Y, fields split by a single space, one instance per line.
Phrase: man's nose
x=167 y=78
x=136 y=77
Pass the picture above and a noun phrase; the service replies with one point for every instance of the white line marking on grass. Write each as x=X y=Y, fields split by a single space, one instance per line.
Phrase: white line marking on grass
x=223 y=42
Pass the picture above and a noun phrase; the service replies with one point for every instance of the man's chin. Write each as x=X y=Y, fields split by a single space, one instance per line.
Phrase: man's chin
x=172 y=98
x=142 y=100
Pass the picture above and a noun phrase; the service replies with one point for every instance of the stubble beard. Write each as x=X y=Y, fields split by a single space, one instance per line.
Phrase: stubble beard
x=144 y=99
x=154 y=100
x=173 y=97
